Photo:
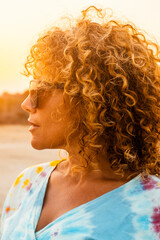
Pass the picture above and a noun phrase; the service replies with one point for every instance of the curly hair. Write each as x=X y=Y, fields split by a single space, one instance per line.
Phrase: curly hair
x=112 y=71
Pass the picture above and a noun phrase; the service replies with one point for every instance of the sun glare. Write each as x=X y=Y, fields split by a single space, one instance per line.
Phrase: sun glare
x=22 y=21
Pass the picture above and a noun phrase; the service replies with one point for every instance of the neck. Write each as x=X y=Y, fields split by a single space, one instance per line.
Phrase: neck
x=71 y=169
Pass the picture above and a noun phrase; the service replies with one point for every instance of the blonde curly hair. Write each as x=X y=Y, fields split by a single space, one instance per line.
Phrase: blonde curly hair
x=111 y=71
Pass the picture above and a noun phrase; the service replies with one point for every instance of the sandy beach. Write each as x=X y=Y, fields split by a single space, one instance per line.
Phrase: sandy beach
x=16 y=154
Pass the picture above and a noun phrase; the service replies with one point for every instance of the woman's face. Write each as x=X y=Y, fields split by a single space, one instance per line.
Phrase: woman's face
x=47 y=128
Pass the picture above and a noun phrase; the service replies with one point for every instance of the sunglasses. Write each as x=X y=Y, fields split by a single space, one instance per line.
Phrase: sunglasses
x=38 y=90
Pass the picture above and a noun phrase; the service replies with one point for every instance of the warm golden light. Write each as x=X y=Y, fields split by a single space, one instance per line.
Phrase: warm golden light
x=22 y=21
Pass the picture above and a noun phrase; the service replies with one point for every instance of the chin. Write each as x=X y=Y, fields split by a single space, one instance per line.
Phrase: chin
x=40 y=145
x=37 y=145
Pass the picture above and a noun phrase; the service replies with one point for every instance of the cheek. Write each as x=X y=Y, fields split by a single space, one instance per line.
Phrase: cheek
x=54 y=130
x=50 y=135
x=55 y=135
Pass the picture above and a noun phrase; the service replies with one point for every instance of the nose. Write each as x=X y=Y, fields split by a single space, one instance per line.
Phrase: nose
x=26 y=105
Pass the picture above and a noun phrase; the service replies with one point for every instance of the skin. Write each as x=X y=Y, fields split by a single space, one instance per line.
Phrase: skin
x=48 y=127
x=65 y=191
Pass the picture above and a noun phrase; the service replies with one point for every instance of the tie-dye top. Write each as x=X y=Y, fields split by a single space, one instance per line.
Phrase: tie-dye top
x=130 y=212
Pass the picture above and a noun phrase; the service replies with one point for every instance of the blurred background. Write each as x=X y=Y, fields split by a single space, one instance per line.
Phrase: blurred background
x=20 y=24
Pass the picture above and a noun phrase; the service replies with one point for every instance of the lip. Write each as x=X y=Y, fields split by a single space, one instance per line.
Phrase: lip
x=33 y=126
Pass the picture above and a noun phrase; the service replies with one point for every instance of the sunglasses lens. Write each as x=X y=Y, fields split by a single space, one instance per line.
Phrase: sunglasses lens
x=34 y=98
x=38 y=90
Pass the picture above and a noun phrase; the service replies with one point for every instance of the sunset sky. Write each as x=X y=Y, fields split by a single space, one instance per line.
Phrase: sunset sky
x=21 y=22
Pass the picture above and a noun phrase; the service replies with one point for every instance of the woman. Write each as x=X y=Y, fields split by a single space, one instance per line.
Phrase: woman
x=96 y=94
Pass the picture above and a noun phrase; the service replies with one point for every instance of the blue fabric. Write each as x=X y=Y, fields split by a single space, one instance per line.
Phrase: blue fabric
x=130 y=212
